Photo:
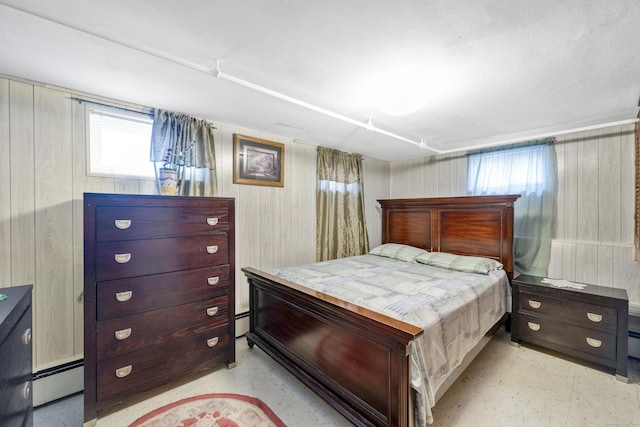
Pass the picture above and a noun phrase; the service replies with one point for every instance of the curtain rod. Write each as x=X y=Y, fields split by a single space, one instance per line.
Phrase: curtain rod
x=142 y=111
x=149 y=111
x=523 y=144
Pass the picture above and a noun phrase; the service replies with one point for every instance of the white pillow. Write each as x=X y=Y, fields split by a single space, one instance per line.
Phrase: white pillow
x=467 y=264
x=398 y=251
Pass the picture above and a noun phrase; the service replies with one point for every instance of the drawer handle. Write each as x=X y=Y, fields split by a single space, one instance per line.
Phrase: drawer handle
x=26 y=337
x=533 y=326
x=123 y=372
x=123 y=224
x=212 y=249
x=123 y=334
x=212 y=221
x=213 y=280
x=597 y=318
x=124 y=296
x=212 y=342
x=594 y=342
x=534 y=304
x=122 y=258
x=26 y=391
x=212 y=311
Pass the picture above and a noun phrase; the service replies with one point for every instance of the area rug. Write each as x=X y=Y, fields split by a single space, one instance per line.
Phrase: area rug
x=212 y=410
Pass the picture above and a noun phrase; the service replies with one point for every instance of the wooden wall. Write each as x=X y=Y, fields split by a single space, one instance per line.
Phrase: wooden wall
x=43 y=137
x=43 y=175
x=593 y=238
x=595 y=226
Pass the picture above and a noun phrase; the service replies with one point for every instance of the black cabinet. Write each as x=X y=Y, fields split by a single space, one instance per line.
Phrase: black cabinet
x=16 y=401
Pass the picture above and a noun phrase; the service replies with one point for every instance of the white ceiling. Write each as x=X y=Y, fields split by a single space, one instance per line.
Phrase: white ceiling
x=491 y=71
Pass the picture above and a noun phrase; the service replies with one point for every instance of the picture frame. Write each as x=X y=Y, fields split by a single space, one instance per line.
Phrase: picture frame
x=257 y=161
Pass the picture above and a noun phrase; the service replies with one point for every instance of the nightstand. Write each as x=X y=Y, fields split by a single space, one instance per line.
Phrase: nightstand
x=588 y=324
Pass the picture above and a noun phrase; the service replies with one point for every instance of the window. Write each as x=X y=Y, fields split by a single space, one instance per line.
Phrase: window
x=522 y=170
x=530 y=171
x=119 y=143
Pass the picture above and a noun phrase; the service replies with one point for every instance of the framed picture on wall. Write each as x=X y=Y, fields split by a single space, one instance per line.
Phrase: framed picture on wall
x=257 y=161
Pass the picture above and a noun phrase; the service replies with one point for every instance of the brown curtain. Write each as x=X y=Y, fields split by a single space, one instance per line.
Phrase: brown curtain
x=340 y=221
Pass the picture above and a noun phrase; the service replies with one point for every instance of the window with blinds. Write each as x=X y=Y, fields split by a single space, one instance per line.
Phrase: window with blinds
x=119 y=144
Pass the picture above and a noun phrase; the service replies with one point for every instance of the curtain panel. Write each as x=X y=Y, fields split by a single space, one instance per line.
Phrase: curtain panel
x=340 y=221
x=530 y=171
x=187 y=143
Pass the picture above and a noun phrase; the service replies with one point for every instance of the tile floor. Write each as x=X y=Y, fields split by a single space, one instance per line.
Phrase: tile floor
x=504 y=386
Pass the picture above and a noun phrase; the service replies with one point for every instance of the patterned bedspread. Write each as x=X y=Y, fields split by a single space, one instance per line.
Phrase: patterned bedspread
x=455 y=309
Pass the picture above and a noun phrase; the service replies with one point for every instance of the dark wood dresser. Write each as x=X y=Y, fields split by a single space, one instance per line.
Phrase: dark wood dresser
x=159 y=292
x=589 y=324
x=16 y=399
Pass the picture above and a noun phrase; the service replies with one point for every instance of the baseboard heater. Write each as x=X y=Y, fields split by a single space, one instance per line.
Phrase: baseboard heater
x=634 y=336
x=58 y=382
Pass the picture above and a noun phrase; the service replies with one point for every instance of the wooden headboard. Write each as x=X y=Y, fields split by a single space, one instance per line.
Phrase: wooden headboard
x=471 y=225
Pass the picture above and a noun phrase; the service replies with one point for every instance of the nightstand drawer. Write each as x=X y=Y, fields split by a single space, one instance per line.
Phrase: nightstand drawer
x=578 y=313
x=597 y=343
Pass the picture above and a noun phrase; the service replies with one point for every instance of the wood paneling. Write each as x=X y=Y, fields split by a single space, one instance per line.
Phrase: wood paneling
x=5 y=188
x=53 y=286
x=593 y=240
x=44 y=136
x=376 y=186
x=22 y=184
x=438 y=176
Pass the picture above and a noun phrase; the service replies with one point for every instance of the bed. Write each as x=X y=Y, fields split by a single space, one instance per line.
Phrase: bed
x=360 y=360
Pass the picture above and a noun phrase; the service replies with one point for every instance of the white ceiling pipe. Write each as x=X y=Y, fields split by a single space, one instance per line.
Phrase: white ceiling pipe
x=541 y=136
x=217 y=73
x=365 y=125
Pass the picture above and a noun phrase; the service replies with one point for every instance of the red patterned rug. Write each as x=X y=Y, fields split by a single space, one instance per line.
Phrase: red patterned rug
x=212 y=410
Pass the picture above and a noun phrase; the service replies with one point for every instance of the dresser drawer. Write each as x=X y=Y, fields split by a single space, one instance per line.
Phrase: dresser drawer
x=539 y=329
x=576 y=312
x=124 y=297
x=116 y=260
x=132 y=223
x=143 y=369
x=155 y=328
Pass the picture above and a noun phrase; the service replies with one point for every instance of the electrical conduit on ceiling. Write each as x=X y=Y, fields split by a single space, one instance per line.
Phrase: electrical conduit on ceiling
x=368 y=125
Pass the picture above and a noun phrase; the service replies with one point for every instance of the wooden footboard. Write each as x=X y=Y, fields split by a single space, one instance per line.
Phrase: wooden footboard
x=355 y=359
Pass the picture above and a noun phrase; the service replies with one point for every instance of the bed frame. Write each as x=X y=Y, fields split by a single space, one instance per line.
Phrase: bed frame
x=355 y=359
